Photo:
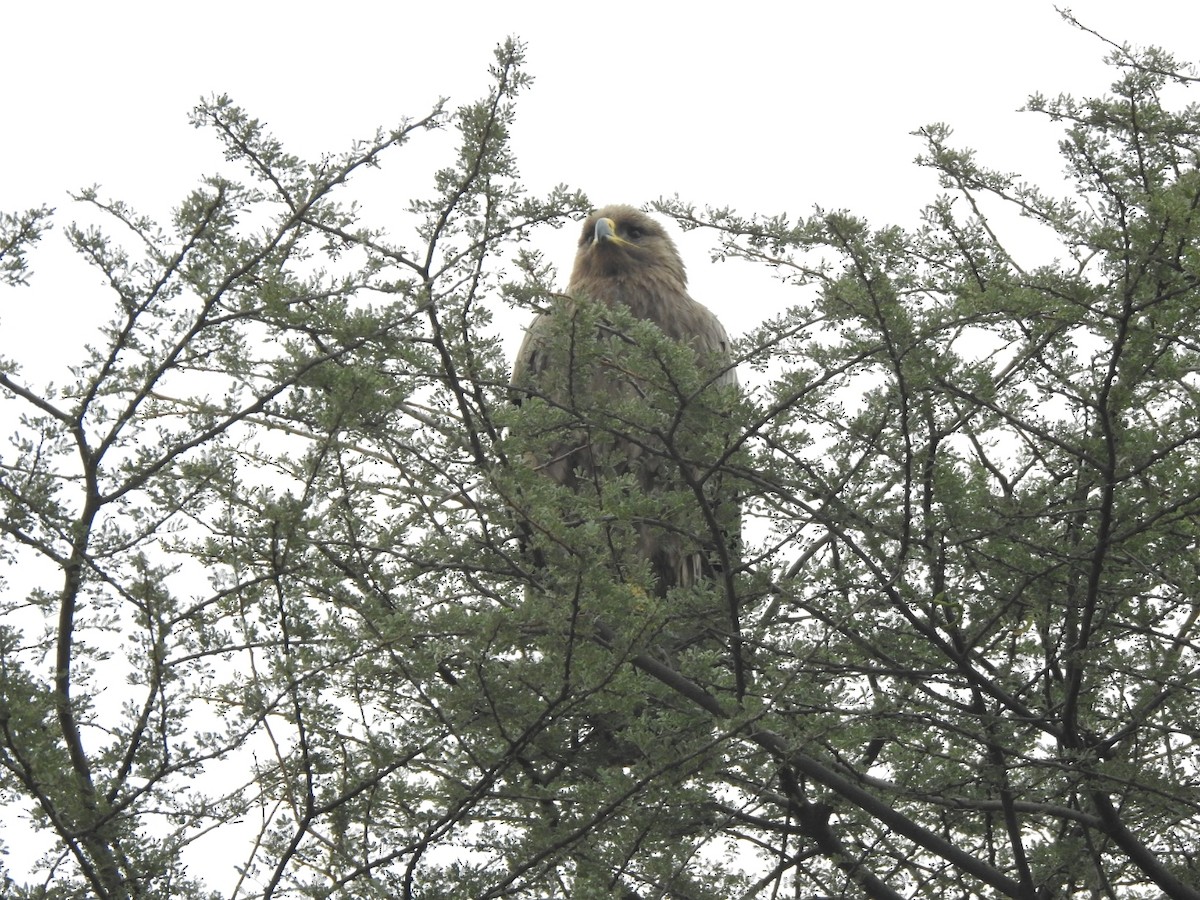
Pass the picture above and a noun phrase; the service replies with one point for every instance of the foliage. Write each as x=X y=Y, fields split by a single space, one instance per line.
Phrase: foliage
x=308 y=594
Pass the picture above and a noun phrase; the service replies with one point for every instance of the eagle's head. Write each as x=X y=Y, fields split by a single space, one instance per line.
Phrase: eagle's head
x=622 y=244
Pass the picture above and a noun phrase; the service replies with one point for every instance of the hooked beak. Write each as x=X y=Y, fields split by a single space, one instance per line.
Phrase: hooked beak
x=606 y=230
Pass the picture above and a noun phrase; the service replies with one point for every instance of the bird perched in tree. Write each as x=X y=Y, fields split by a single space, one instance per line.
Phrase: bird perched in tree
x=626 y=260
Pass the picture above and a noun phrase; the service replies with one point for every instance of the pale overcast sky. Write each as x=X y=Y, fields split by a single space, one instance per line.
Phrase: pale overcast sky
x=762 y=105
x=767 y=107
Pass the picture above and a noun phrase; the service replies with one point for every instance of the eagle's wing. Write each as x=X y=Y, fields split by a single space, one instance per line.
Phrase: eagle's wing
x=569 y=453
x=713 y=342
x=531 y=358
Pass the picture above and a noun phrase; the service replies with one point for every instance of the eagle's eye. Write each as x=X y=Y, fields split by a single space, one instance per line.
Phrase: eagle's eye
x=633 y=232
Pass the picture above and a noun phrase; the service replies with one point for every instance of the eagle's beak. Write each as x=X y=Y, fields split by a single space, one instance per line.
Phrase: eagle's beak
x=606 y=230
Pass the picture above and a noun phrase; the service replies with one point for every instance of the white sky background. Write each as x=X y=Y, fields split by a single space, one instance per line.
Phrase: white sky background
x=765 y=107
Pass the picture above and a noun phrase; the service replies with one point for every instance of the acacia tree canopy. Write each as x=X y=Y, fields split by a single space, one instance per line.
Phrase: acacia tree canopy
x=282 y=582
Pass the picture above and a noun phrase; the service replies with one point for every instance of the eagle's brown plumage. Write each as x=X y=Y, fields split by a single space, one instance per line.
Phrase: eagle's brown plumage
x=625 y=258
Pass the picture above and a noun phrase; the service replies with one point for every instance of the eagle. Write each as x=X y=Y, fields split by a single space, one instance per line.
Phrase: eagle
x=626 y=261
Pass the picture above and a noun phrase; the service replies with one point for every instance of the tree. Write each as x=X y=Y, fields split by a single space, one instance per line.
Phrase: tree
x=284 y=539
